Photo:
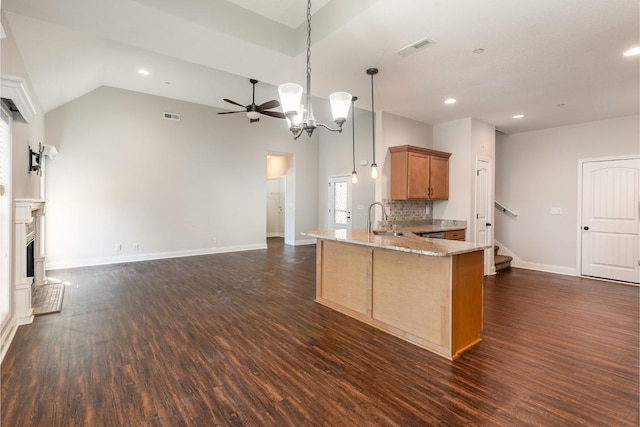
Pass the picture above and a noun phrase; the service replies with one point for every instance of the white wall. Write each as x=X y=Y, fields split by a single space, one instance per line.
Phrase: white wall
x=336 y=159
x=23 y=184
x=455 y=137
x=537 y=171
x=391 y=131
x=467 y=140
x=126 y=176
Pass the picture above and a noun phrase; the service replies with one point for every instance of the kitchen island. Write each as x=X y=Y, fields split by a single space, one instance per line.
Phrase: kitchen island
x=425 y=291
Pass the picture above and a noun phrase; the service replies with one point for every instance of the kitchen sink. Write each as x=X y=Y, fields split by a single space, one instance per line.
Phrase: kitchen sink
x=388 y=233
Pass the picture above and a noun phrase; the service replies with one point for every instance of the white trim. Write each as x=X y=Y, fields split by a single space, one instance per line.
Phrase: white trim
x=275 y=235
x=58 y=265
x=7 y=332
x=305 y=242
x=518 y=263
x=3 y=35
x=581 y=163
x=15 y=88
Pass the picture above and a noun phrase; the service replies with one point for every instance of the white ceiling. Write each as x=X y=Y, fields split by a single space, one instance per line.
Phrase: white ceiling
x=537 y=54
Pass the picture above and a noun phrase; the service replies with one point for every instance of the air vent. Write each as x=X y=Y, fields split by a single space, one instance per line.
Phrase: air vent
x=415 y=46
x=171 y=116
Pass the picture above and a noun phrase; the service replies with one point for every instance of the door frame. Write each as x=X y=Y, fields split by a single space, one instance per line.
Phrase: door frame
x=578 y=224
x=347 y=178
x=489 y=263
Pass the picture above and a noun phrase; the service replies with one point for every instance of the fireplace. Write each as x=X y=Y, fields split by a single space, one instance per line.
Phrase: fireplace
x=29 y=255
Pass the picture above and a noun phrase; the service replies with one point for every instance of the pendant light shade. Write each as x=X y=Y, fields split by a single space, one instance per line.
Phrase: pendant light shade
x=340 y=105
x=290 y=97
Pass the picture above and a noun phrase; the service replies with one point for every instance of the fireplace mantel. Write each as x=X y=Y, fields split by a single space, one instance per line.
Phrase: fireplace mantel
x=29 y=213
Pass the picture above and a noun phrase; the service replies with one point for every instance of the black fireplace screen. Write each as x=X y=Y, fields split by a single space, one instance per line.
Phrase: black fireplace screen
x=30 y=258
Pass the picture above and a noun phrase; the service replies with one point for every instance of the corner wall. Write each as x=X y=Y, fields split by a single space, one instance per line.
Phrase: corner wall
x=126 y=176
x=537 y=171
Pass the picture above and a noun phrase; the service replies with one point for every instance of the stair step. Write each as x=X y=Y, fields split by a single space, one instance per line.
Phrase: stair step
x=502 y=262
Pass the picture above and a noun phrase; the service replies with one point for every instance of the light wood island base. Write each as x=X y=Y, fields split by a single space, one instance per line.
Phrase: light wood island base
x=434 y=302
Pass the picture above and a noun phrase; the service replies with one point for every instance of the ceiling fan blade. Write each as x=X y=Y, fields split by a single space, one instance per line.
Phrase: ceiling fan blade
x=234 y=103
x=232 y=112
x=275 y=114
x=268 y=105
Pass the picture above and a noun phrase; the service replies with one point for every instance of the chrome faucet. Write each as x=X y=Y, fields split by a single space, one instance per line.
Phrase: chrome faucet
x=384 y=214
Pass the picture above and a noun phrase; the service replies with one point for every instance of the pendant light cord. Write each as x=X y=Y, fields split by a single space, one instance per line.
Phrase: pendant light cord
x=373 y=118
x=308 y=56
x=353 y=130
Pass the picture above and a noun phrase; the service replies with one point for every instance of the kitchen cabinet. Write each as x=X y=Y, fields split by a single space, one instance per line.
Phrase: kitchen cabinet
x=419 y=173
x=454 y=235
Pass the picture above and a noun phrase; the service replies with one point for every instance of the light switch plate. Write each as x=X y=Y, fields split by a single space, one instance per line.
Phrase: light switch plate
x=556 y=211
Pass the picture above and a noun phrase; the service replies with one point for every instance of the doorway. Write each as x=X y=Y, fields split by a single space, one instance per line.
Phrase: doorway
x=280 y=198
x=484 y=220
x=276 y=197
x=609 y=219
x=339 y=202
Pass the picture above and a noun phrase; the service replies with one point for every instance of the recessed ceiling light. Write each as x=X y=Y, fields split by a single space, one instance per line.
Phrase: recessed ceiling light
x=478 y=51
x=518 y=116
x=632 y=52
x=450 y=101
x=143 y=72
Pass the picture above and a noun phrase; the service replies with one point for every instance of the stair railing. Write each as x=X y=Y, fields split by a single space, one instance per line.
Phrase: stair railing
x=503 y=208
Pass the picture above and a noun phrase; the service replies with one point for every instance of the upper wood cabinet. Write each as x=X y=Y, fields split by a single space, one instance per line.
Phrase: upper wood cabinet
x=419 y=173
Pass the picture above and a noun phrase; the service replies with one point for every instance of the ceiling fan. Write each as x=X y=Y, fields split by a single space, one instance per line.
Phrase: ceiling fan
x=253 y=111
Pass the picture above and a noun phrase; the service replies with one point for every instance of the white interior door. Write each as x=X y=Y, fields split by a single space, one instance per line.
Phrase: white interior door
x=483 y=213
x=339 y=202
x=610 y=219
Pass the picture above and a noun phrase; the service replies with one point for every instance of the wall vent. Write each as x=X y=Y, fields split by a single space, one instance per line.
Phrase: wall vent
x=171 y=116
x=415 y=46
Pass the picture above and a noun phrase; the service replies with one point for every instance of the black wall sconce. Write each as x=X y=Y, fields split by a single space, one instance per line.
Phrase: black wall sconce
x=35 y=159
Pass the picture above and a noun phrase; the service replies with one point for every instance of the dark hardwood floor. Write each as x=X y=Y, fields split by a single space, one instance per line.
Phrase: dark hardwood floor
x=236 y=339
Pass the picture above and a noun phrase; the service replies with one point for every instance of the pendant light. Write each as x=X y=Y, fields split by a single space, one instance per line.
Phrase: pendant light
x=374 y=167
x=300 y=117
x=354 y=174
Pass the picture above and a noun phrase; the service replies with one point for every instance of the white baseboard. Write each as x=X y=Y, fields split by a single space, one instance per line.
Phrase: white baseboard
x=303 y=242
x=275 y=234
x=548 y=268
x=7 y=333
x=75 y=263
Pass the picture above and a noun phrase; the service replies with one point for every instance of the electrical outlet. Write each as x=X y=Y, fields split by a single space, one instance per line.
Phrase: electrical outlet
x=118 y=247
x=214 y=240
x=136 y=246
x=556 y=211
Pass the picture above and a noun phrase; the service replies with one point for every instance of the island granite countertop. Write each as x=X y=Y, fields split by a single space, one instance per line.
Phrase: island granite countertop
x=408 y=242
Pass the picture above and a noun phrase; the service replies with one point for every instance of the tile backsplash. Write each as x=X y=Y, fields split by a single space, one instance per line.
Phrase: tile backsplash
x=409 y=210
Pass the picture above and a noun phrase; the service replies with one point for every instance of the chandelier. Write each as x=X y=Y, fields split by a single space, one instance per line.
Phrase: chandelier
x=300 y=117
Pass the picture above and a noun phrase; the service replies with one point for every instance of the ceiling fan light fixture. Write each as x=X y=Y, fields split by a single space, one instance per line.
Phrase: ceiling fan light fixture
x=253 y=115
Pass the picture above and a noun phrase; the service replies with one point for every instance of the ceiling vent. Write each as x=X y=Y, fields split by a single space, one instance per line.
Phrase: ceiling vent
x=171 y=116
x=415 y=46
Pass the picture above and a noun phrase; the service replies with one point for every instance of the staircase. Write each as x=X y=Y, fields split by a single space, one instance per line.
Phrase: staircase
x=501 y=261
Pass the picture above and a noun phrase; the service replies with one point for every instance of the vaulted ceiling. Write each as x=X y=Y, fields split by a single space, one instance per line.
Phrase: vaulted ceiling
x=555 y=62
